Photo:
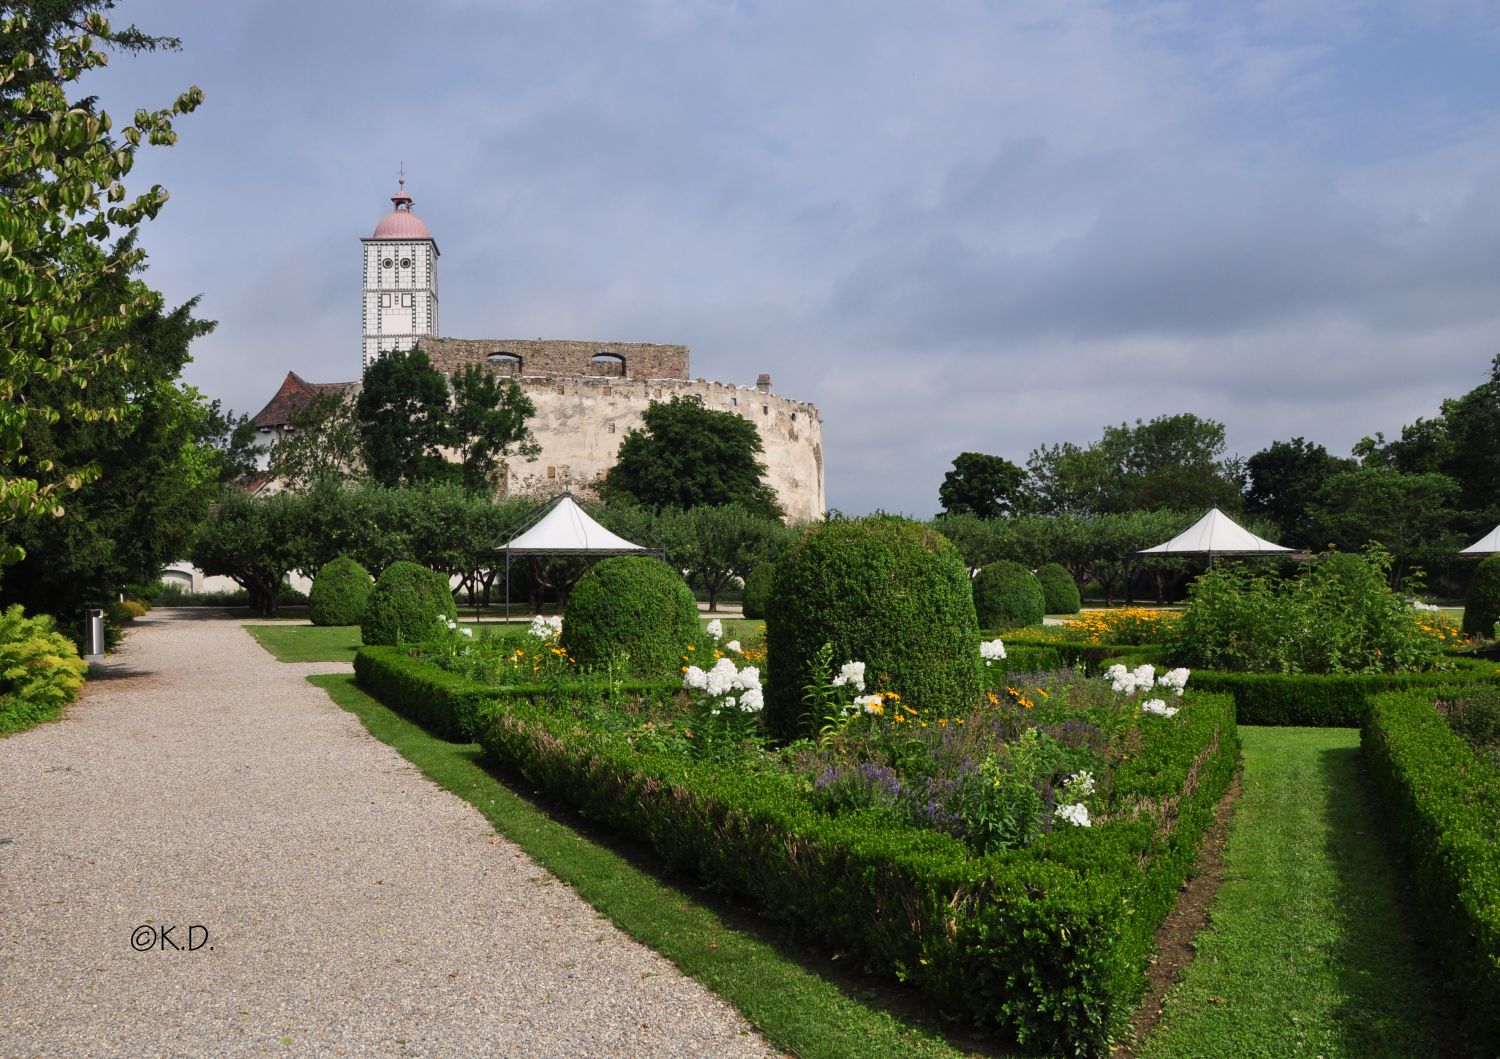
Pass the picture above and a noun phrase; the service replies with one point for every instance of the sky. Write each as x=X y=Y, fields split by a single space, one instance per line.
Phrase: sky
x=952 y=225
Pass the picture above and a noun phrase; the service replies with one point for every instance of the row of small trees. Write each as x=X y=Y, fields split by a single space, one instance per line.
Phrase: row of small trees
x=257 y=541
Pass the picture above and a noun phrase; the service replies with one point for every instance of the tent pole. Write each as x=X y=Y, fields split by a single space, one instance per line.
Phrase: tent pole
x=507 y=586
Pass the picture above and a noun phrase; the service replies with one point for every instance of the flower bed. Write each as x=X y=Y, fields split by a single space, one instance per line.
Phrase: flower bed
x=1038 y=923
x=1445 y=805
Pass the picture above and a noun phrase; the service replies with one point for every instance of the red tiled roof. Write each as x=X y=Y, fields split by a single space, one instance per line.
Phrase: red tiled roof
x=296 y=393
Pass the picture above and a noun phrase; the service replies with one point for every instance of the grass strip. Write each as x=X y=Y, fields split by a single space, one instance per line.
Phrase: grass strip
x=1308 y=953
x=308 y=643
x=795 y=1008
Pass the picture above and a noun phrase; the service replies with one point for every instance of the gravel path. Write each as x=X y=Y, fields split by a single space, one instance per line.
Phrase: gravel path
x=349 y=906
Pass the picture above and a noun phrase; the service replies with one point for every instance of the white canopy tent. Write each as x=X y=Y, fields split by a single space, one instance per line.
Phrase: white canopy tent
x=1489 y=544
x=564 y=528
x=1215 y=534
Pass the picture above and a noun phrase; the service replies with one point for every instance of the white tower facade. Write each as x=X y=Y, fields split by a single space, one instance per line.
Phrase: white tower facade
x=400 y=282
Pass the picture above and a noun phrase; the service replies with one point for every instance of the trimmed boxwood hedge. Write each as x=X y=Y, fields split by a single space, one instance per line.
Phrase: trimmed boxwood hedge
x=1008 y=596
x=406 y=604
x=758 y=590
x=340 y=592
x=1318 y=700
x=1059 y=589
x=634 y=605
x=1047 y=944
x=1444 y=803
x=889 y=592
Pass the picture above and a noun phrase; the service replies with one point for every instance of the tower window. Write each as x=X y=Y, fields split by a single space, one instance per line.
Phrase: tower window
x=406 y=301
x=385 y=301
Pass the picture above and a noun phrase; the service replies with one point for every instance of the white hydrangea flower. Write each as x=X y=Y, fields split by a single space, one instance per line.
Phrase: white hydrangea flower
x=1176 y=679
x=992 y=651
x=852 y=674
x=752 y=701
x=1077 y=815
x=720 y=678
x=747 y=678
x=733 y=645
x=694 y=678
x=1158 y=708
x=1127 y=681
x=716 y=629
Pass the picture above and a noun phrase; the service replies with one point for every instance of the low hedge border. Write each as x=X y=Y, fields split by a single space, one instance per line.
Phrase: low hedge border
x=448 y=704
x=1047 y=944
x=1445 y=806
x=1316 y=700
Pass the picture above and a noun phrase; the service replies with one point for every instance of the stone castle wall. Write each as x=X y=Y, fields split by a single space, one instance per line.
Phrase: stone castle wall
x=589 y=395
x=523 y=357
x=580 y=423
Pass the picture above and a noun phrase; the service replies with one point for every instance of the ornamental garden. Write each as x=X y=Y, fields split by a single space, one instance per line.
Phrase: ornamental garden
x=900 y=761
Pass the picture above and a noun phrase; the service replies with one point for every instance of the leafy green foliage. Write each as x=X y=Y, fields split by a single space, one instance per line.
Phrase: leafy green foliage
x=402 y=411
x=885 y=591
x=1059 y=590
x=635 y=610
x=1319 y=700
x=64 y=311
x=983 y=486
x=323 y=442
x=340 y=593
x=1444 y=802
x=1172 y=462
x=1008 y=596
x=1482 y=607
x=1284 y=481
x=758 y=590
x=689 y=456
x=406 y=605
x=1339 y=615
x=487 y=421
x=255 y=541
x=40 y=670
x=1406 y=514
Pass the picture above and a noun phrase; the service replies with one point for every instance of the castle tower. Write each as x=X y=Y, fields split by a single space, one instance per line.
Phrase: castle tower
x=400 y=281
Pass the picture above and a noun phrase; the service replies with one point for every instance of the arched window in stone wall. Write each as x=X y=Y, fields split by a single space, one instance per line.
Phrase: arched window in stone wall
x=607 y=364
x=504 y=363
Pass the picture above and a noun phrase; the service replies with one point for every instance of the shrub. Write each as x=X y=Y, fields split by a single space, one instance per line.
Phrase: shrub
x=1443 y=805
x=634 y=606
x=40 y=670
x=1059 y=589
x=1482 y=605
x=1339 y=615
x=406 y=605
x=977 y=935
x=1133 y=626
x=889 y=592
x=758 y=589
x=340 y=592
x=1008 y=596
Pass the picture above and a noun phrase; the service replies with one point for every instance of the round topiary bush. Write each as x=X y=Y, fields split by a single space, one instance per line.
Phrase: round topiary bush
x=405 y=605
x=888 y=592
x=339 y=593
x=758 y=590
x=1059 y=591
x=1482 y=605
x=1008 y=596
x=635 y=606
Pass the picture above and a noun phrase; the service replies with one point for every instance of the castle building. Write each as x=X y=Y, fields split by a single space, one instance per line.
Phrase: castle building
x=588 y=395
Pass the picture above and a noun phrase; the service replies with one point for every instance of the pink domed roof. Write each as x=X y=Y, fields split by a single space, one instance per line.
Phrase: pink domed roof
x=401 y=223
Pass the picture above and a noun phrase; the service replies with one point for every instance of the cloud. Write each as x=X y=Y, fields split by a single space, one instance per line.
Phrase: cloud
x=953 y=226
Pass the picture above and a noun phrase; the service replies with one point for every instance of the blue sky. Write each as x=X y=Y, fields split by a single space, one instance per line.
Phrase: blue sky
x=953 y=226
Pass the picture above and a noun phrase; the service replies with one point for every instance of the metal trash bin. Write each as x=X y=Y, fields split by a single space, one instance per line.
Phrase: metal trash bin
x=96 y=633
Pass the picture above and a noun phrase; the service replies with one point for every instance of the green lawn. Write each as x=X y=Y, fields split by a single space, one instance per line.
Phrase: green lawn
x=1308 y=953
x=308 y=643
x=798 y=1009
